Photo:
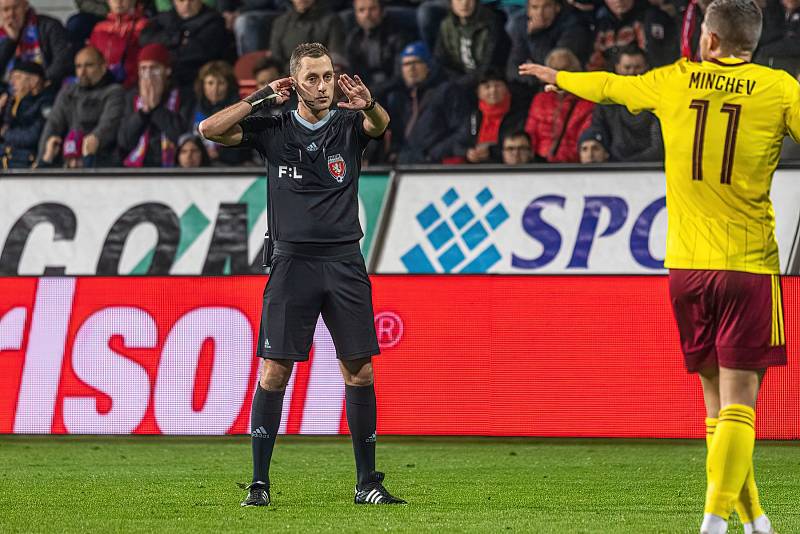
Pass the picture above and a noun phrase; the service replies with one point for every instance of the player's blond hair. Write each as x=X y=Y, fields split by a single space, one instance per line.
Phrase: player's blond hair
x=313 y=50
x=736 y=22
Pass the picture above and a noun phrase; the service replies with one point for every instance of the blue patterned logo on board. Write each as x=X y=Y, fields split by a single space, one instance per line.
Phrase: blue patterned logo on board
x=458 y=234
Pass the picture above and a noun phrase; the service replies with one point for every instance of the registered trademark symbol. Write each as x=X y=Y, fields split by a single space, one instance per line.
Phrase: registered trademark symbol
x=389 y=327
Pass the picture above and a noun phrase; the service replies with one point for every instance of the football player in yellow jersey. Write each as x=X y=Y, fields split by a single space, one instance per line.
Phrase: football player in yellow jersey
x=724 y=120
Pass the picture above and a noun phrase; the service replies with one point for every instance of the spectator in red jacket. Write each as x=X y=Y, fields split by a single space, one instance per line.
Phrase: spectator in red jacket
x=117 y=38
x=556 y=119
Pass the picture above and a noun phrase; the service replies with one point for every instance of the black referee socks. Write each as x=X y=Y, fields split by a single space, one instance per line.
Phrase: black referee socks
x=362 y=418
x=265 y=420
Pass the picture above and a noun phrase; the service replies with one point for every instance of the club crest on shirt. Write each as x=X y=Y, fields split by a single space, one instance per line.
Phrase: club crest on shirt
x=337 y=167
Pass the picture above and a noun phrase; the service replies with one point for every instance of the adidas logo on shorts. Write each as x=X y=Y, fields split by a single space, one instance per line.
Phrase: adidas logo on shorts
x=260 y=432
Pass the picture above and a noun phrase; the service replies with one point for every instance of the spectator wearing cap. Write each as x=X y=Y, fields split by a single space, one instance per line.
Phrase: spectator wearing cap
x=26 y=35
x=215 y=89
x=191 y=152
x=23 y=115
x=593 y=146
x=517 y=148
x=306 y=21
x=374 y=45
x=426 y=110
x=193 y=33
x=556 y=119
x=471 y=39
x=549 y=24
x=497 y=112
x=624 y=22
x=92 y=106
x=630 y=137
x=117 y=38
x=155 y=113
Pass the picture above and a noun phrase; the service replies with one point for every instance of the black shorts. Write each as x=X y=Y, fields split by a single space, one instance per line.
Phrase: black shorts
x=332 y=282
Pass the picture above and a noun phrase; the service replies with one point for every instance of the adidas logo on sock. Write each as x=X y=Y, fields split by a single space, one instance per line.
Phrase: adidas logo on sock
x=372 y=439
x=260 y=432
x=312 y=147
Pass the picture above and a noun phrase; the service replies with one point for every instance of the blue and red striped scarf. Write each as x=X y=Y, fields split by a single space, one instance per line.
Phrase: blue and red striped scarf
x=137 y=155
x=28 y=47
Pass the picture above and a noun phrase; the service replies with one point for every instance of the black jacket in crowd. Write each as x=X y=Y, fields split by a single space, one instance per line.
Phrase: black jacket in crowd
x=469 y=50
x=780 y=41
x=374 y=56
x=442 y=107
x=158 y=121
x=630 y=137
x=192 y=42
x=56 y=48
x=649 y=27
x=567 y=31
x=22 y=128
x=317 y=25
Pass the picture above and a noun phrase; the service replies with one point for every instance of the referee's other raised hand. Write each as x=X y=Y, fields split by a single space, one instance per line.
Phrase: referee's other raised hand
x=357 y=94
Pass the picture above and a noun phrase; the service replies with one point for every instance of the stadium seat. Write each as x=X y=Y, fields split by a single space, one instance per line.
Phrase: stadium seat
x=243 y=70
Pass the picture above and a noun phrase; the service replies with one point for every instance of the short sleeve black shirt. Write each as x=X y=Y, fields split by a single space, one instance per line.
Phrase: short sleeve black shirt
x=312 y=174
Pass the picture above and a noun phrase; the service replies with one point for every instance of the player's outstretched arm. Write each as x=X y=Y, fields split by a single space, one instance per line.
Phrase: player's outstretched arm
x=376 y=119
x=223 y=126
x=635 y=92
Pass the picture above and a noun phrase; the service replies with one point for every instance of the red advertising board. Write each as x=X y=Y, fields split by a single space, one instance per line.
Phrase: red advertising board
x=462 y=355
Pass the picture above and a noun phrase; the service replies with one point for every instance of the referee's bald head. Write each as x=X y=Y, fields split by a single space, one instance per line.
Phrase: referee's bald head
x=312 y=50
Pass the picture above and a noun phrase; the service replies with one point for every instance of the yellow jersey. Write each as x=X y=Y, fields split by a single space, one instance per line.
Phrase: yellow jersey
x=723 y=123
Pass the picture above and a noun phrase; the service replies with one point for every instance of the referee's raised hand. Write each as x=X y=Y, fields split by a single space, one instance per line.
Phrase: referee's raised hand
x=358 y=96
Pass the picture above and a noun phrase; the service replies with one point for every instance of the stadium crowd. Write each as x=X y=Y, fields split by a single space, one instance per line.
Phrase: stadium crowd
x=126 y=83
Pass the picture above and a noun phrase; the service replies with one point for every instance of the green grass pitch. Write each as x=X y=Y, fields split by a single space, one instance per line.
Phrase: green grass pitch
x=168 y=484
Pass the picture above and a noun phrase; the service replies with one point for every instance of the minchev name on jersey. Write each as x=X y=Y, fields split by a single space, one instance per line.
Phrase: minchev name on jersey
x=312 y=174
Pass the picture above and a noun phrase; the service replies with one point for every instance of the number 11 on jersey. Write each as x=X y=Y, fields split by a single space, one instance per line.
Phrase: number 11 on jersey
x=734 y=112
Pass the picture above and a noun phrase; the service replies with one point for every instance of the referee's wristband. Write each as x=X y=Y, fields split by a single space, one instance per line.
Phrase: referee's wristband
x=370 y=106
x=260 y=98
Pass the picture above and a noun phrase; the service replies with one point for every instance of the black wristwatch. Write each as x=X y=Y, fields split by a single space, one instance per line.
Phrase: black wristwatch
x=370 y=106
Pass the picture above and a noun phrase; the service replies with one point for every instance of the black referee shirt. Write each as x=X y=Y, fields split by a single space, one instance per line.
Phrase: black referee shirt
x=312 y=174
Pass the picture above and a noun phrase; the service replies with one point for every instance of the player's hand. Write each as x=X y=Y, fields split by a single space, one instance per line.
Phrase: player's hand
x=545 y=74
x=358 y=96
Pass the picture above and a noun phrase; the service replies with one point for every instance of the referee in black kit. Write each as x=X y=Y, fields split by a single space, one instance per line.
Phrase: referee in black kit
x=313 y=157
